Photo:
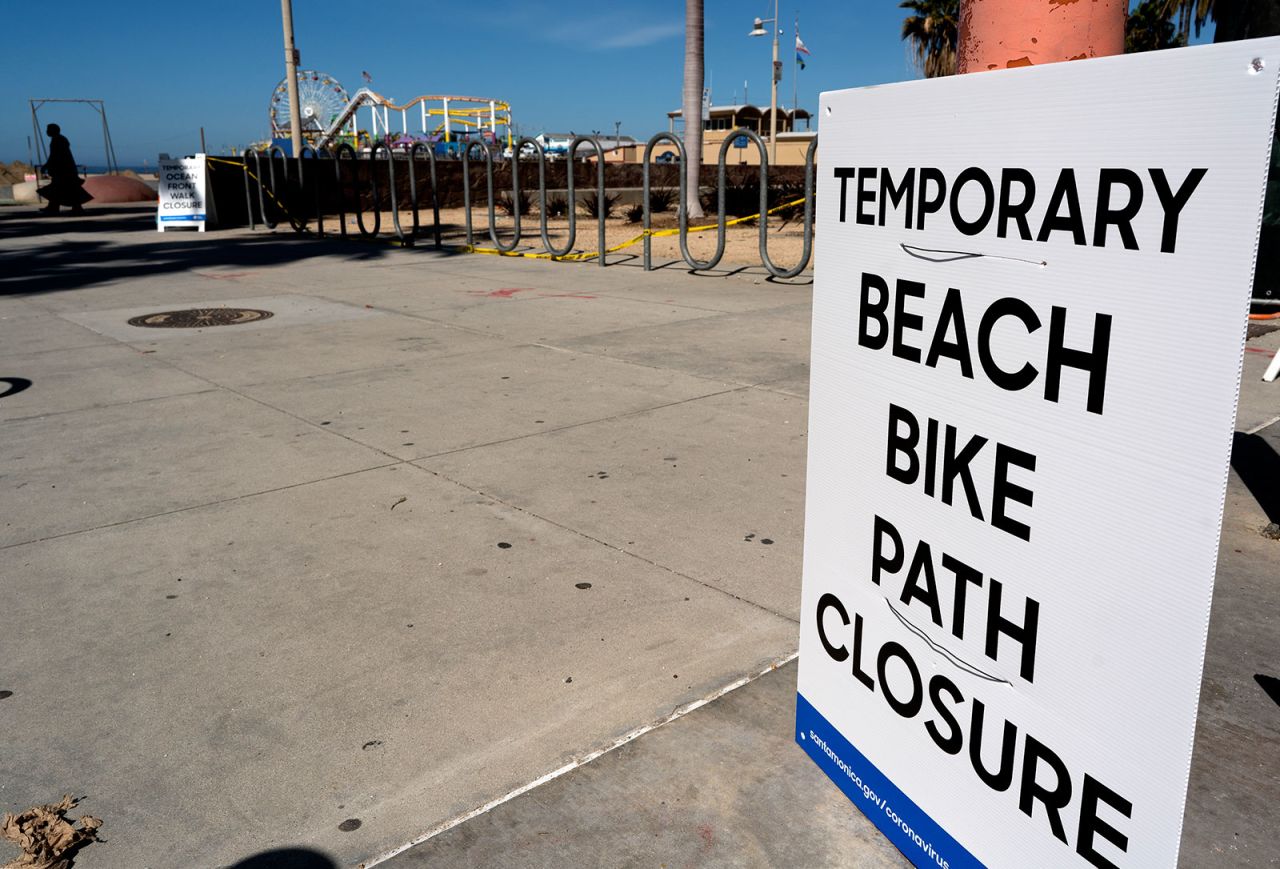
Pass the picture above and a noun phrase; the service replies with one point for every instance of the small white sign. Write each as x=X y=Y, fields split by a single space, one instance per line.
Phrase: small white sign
x=182 y=193
x=1028 y=323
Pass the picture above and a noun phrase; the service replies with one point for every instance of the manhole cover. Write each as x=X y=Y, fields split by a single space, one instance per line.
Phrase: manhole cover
x=199 y=318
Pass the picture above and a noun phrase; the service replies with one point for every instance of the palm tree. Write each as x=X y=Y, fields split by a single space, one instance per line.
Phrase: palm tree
x=931 y=33
x=692 y=108
x=1149 y=28
x=1233 y=19
x=1188 y=11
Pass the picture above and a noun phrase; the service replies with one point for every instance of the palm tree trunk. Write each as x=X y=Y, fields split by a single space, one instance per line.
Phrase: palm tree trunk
x=692 y=109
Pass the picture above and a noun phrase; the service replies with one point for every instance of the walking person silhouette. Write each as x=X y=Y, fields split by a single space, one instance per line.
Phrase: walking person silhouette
x=65 y=187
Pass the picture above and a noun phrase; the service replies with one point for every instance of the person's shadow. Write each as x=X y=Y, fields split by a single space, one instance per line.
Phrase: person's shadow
x=1256 y=461
x=287 y=858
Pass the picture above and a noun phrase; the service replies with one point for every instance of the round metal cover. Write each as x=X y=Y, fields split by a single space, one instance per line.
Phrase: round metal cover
x=199 y=318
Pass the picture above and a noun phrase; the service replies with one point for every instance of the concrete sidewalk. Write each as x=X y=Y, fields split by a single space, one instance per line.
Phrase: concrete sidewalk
x=439 y=527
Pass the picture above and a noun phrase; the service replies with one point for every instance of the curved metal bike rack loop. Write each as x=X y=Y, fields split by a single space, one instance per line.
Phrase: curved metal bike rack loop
x=279 y=193
x=515 y=200
x=413 y=187
x=466 y=189
x=344 y=148
x=763 y=222
x=720 y=218
x=262 y=200
x=810 y=157
x=373 y=190
x=542 y=183
x=684 y=195
x=248 y=196
x=320 y=185
x=573 y=203
x=302 y=187
x=391 y=185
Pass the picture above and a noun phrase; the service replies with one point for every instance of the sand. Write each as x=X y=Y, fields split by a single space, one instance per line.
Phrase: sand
x=15 y=172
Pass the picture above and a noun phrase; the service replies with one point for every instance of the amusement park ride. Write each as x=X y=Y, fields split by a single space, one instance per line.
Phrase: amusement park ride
x=331 y=117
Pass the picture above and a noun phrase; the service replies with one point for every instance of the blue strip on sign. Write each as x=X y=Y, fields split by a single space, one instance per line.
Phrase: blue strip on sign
x=904 y=823
x=171 y=217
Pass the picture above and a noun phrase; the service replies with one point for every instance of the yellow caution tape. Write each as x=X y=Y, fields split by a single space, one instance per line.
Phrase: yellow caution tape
x=652 y=233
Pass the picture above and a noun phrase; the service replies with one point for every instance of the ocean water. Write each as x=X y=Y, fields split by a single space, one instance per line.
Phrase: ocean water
x=141 y=170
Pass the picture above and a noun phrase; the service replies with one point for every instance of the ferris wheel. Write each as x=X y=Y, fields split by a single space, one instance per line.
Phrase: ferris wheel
x=320 y=100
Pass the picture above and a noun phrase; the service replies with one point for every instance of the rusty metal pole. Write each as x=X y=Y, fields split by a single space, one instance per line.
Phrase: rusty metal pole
x=1000 y=34
x=291 y=76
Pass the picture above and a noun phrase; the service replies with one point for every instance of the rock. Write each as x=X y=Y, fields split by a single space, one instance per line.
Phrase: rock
x=118 y=188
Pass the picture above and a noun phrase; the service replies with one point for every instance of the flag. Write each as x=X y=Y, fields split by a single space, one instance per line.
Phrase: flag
x=801 y=50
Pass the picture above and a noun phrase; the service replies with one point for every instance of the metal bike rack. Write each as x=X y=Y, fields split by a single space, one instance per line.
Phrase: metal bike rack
x=391 y=185
x=278 y=189
x=248 y=196
x=684 y=197
x=413 y=188
x=542 y=184
x=311 y=153
x=515 y=200
x=373 y=189
x=262 y=201
x=573 y=154
x=466 y=189
x=764 y=202
x=344 y=148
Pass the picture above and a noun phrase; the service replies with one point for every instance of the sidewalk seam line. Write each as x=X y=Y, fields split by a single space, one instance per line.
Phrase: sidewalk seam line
x=198 y=506
x=263 y=403
x=605 y=544
x=595 y=354
x=1267 y=424
x=630 y=736
x=109 y=406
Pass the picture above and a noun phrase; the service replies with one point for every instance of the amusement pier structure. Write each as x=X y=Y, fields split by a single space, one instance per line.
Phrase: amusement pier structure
x=448 y=122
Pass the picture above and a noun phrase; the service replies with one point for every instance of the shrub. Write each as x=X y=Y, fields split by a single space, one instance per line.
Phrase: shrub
x=741 y=198
x=508 y=206
x=592 y=205
x=660 y=200
x=557 y=206
x=634 y=213
x=788 y=191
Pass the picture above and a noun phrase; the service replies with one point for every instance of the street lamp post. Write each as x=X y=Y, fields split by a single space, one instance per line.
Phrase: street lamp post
x=758 y=30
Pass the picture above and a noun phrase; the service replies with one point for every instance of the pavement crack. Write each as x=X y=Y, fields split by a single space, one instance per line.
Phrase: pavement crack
x=573 y=425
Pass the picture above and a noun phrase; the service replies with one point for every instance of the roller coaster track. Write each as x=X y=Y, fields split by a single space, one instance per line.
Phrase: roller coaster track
x=372 y=99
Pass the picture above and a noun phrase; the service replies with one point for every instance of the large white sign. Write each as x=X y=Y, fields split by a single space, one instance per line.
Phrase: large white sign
x=182 y=193
x=1029 y=317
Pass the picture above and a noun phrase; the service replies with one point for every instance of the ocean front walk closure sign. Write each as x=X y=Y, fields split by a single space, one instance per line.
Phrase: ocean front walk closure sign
x=182 y=193
x=1028 y=323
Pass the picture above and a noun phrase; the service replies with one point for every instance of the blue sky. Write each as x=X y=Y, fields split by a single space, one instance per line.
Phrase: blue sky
x=166 y=69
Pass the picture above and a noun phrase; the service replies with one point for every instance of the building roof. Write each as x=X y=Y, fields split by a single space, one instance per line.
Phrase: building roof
x=746 y=109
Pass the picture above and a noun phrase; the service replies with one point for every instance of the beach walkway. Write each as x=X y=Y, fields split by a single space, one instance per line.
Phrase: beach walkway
x=440 y=528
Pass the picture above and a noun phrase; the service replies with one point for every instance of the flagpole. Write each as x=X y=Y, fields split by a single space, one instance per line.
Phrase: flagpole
x=795 y=72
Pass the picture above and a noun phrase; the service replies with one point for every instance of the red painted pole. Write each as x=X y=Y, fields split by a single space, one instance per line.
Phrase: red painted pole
x=1000 y=34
